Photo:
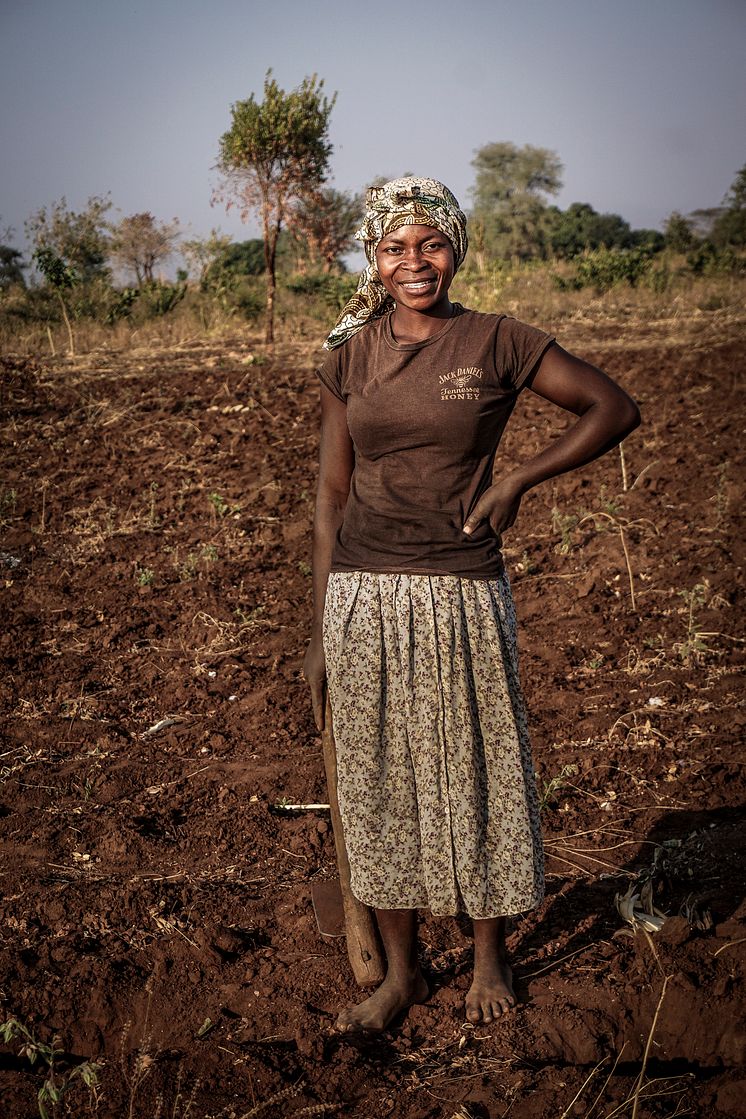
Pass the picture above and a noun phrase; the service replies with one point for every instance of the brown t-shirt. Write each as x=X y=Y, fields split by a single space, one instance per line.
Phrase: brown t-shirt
x=425 y=420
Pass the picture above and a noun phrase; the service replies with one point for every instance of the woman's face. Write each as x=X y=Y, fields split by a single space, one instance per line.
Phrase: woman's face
x=416 y=266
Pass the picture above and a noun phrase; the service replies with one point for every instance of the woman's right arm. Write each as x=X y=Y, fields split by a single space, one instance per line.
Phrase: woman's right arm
x=336 y=461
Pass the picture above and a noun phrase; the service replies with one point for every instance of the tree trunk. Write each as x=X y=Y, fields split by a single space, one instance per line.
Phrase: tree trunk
x=271 y=233
x=67 y=324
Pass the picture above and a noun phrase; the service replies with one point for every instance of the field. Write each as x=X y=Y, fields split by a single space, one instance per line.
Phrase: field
x=155 y=507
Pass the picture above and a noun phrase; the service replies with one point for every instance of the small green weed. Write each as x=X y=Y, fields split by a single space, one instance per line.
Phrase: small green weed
x=144 y=576
x=693 y=648
x=8 y=500
x=552 y=787
x=220 y=506
x=305 y=568
x=57 y=1083
x=563 y=524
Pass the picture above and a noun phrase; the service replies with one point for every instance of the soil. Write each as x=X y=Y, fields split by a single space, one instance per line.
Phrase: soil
x=156 y=916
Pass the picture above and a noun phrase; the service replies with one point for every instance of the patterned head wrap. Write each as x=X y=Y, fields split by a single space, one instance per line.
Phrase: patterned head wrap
x=409 y=201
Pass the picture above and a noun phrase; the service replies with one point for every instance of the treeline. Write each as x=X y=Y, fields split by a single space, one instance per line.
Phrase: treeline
x=274 y=162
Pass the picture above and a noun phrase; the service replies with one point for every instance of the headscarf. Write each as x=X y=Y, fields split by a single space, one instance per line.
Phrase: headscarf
x=408 y=201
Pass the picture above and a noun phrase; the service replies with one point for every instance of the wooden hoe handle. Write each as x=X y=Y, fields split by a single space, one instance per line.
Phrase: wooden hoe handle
x=363 y=945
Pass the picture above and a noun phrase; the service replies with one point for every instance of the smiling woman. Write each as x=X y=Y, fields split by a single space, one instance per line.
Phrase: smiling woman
x=416 y=266
x=414 y=628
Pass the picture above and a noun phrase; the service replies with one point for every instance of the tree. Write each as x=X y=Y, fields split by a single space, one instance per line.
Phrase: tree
x=274 y=152
x=508 y=196
x=80 y=240
x=61 y=277
x=729 y=228
x=140 y=244
x=323 y=224
x=678 y=233
x=11 y=267
x=201 y=253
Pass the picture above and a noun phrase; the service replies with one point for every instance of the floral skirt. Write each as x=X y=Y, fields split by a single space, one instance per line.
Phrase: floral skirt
x=435 y=779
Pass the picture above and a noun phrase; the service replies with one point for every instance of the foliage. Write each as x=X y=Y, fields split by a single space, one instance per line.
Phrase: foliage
x=603 y=269
x=508 y=196
x=274 y=152
x=48 y=1057
x=158 y=298
x=729 y=228
x=706 y=259
x=678 y=232
x=334 y=291
x=237 y=259
x=580 y=227
x=201 y=253
x=11 y=267
x=323 y=224
x=140 y=243
x=81 y=240
x=60 y=276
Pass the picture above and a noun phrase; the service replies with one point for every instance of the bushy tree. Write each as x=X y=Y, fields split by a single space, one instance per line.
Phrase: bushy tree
x=11 y=267
x=274 y=152
x=729 y=228
x=580 y=227
x=201 y=253
x=81 y=240
x=61 y=277
x=140 y=244
x=323 y=224
x=678 y=232
x=509 y=196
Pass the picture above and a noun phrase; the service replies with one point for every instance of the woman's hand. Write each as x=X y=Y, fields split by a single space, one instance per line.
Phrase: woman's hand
x=499 y=504
x=314 y=672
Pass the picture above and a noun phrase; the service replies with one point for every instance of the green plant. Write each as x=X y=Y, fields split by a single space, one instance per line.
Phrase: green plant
x=220 y=506
x=693 y=648
x=563 y=524
x=305 y=568
x=49 y=1057
x=61 y=277
x=7 y=505
x=144 y=576
x=552 y=787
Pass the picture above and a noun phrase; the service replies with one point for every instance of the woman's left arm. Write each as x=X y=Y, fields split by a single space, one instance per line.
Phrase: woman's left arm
x=606 y=414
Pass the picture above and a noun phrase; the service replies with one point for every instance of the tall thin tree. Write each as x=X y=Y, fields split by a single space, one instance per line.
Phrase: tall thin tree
x=275 y=151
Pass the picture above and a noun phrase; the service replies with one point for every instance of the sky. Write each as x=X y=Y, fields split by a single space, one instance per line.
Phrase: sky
x=644 y=101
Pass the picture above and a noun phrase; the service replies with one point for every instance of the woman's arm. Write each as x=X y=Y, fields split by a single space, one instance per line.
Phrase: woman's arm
x=606 y=414
x=336 y=461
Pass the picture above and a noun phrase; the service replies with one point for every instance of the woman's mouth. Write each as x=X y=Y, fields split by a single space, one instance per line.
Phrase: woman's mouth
x=415 y=286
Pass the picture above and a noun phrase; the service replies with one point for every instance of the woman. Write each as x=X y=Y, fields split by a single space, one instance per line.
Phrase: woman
x=414 y=626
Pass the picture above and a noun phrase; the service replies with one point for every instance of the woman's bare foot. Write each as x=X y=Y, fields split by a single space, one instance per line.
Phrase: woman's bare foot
x=392 y=997
x=491 y=994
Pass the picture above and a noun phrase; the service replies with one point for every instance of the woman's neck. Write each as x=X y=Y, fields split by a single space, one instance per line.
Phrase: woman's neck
x=413 y=326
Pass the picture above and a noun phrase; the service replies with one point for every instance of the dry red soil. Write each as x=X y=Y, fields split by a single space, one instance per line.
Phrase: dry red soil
x=156 y=914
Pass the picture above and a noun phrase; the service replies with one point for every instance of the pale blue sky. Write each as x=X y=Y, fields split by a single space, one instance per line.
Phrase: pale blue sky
x=643 y=100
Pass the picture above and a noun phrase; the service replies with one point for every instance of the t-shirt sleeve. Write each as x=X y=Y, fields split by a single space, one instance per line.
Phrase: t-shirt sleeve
x=330 y=373
x=519 y=348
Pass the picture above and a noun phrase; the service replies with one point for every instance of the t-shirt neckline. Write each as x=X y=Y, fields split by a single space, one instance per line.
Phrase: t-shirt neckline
x=388 y=333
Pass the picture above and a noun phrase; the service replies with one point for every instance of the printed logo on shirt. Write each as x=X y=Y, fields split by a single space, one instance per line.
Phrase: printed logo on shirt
x=461 y=384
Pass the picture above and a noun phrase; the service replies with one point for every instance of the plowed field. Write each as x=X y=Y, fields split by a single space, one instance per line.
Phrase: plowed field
x=155 y=914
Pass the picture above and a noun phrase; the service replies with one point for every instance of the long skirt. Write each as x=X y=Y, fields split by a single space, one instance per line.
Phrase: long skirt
x=435 y=780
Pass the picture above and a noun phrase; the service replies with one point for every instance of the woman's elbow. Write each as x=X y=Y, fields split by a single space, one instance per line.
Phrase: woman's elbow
x=629 y=416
